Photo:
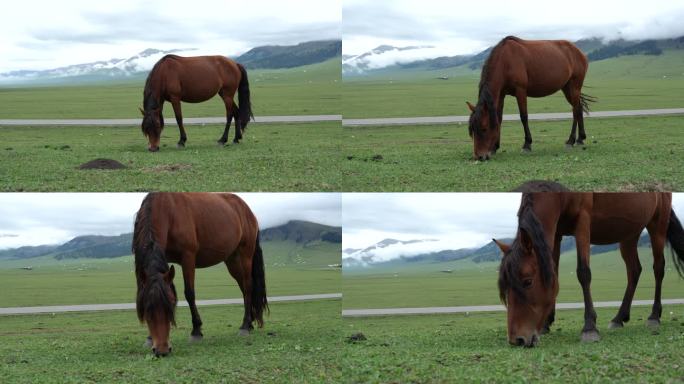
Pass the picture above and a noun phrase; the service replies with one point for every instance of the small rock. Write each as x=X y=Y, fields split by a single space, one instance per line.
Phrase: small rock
x=356 y=337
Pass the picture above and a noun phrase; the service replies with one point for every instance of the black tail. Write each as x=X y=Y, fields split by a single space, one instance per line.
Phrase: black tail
x=245 y=107
x=675 y=235
x=259 y=300
x=585 y=100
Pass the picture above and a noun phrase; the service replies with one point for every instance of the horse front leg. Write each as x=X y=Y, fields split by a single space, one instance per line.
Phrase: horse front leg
x=189 y=282
x=582 y=237
x=521 y=97
x=556 y=259
x=179 y=119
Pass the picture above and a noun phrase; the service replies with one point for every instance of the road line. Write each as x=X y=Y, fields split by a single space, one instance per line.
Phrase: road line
x=187 y=120
x=120 y=306
x=485 y=308
x=511 y=117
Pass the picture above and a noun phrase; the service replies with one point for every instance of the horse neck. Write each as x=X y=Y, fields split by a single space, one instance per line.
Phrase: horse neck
x=547 y=218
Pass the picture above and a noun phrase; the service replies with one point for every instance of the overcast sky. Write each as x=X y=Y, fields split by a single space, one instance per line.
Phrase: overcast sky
x=453 y=220
x=461 y=27
x=53 y=218
x=38 y=34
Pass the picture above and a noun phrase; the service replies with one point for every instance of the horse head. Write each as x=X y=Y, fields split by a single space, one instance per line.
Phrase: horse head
x=156 y=305
x=527 y=282
x=152 y=126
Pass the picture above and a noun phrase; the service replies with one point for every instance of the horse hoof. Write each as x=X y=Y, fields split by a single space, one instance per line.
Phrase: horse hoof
x=221 y=143
x=615 y=325
x=527 y=150
x=148 y=343
x=653 y=323
x=243 y=332
x=180 y=145
x=590 y=336
x=196 y=338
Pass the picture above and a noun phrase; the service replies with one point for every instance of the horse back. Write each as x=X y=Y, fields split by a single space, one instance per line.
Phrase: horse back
x=198 y=78
x=208 y=225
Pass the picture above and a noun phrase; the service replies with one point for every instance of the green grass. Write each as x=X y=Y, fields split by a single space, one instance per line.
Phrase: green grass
x=89 y=281
x=475 y=284
x=107 y=347
x=628 y=82
x=459 y=348
x=622 y=154
x=272 y=157
x=306 y=90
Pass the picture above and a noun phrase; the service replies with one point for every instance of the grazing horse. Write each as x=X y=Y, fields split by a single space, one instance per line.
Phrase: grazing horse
x=523 y=68
x=194 y=80
x=194 y=230
x=528 y=275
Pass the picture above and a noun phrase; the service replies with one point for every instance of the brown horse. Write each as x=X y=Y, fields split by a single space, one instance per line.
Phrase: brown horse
x=194 y=80
x=194 y=230
x=528 y=275
x=523 y=68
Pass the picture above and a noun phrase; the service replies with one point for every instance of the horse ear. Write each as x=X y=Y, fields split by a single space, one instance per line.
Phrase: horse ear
x=168 y=276
x=503 y=247
x=526 y=240
x=472 y=109
x=141 y=111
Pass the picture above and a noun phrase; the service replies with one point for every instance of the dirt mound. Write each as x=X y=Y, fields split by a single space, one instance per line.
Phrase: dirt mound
x=102 y=164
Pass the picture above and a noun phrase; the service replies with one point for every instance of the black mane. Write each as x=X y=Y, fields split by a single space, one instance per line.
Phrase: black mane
x=150 y=265
x=512 y=260
x=149 y=101
x=485 y=96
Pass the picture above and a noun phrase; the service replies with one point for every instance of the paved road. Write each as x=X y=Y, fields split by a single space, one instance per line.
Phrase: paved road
x=534 y=116
x=109 y=307
x=187 y=120
x=484 y=308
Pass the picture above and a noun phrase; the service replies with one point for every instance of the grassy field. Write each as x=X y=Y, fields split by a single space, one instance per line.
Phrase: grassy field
x=272 y=157
x=90 y=281
x=300 y=343
x=622 y=154
x=460 y=348
x=306 y=90
x=424 y=285
x=628 y=82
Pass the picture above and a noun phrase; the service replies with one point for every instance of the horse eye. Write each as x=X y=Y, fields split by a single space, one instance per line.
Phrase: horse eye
x=527 y=283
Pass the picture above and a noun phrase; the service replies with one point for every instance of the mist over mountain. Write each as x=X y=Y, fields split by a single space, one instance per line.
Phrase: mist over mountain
x=138 y=65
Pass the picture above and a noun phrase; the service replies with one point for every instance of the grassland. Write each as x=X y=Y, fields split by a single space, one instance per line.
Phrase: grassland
x=291 y=269
x=300 y=342
x=272 y=157
x=622 y=154
x=460 y=348
x=424 y=285
x=628 y=82
x=306 y=90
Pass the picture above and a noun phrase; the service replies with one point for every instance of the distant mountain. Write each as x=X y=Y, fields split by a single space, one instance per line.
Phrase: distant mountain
x=595 y=48
x=302 y=232
x=138 y=65
x=489 y=252
x=118 y=68
x=97 y=247
x=288 y=56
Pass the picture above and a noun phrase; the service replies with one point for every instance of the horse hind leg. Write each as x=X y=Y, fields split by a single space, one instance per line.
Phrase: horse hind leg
x=238 y=124
x=229 y=117
x=236 y=269
x=572 y=95
x=658 y=247
x=628 y=250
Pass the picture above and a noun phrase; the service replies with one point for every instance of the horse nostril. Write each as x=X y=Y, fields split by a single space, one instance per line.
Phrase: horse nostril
x=520 y=341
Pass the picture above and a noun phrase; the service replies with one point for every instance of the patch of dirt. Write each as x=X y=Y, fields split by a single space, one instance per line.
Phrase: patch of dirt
x=356 y=337
x=102 y=164
x=655 y=186
x=168 y=168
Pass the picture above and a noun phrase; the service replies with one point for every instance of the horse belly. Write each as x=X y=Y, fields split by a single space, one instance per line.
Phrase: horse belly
x=616 y=217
